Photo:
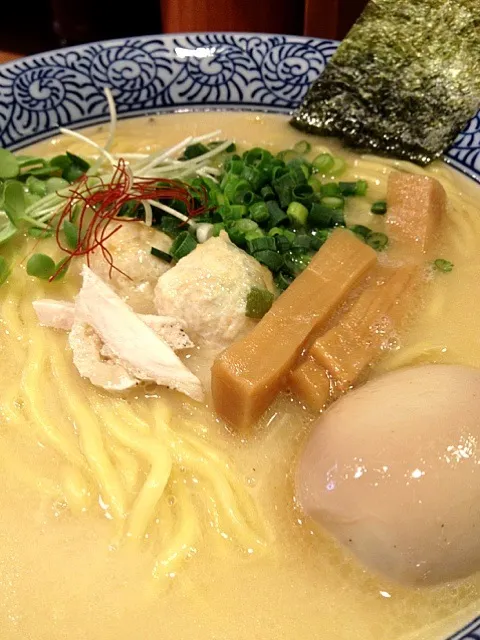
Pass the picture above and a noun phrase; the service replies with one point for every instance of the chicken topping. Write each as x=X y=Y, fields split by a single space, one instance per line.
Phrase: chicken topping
x=209 y=288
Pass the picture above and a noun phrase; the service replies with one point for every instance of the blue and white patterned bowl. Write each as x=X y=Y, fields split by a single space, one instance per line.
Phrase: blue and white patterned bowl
x=166 y=73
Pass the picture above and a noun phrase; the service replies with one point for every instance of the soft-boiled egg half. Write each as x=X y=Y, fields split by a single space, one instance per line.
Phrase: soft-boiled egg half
x=392 y=470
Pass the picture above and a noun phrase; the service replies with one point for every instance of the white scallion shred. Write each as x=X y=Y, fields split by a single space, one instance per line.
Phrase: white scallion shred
x=161 y=163
x=148 y=213
x=79 y=136
x=170 y=210
x=204 y=231
x=113 y=118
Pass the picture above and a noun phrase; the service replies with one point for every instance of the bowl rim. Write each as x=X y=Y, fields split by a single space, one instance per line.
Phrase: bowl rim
x=458 y=156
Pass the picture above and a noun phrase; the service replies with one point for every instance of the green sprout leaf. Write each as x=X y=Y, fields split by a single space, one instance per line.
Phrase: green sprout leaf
x=61 y=269
x=71 y=234
x=14 y=201
x=4 y=270
x=8 y=165
x=41 y=266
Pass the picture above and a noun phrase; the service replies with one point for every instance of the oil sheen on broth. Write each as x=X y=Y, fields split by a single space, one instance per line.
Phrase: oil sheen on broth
x=63 y=572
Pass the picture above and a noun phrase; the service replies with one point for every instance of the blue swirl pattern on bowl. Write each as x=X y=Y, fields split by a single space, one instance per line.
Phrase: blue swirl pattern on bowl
x=165 y=73
x=152 y=74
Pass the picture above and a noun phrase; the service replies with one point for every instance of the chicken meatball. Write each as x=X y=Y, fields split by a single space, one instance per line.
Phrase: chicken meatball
x=208 y=290
x=130 y=247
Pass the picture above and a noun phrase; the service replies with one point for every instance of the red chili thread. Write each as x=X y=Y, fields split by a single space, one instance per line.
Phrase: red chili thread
x=96 y=208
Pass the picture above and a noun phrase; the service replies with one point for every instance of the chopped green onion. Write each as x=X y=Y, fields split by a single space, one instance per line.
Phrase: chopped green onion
x=267 y=193
x=229 y=185
x=302 y=241
x=361 y=230
x=319 y=237
x=277 y=215
x=171 y=226
x=41 y=266
x=348 y=188
x=217 y=227
x=320 y=216
x=283 y=281
x=253 y=235
x=158 y=253
x=284 y=186
x=377 y=241
x=287 y=155
x=235 y=211
x=261 y=243
x=339 y=166
x=259 y=302
x=295 y=263
x=183 y=244
x=332 y=202
x=239 y=229
x=194 y=150
x=323 y=163
x=257 y=178
x=315 y=184
x=257 y=157
x=258 y=212
x=302 y=147
x=250 y=198
x=443 y=265
x=297 y=213
x=270 y=259
x=71 y=234
x=304 y=194
x=362 y=186
x=275 y=231
x=234 y=166
x=282 y=243
x=4 y=270
x=330 y=189
x=237 y=194
x=379 y=207
x=300 y=170
x=8 y=165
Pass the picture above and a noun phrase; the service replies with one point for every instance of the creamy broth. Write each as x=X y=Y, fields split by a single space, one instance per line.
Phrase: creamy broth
x=65 y=571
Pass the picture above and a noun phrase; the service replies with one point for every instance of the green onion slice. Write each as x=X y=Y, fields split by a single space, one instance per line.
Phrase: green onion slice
x=445 y=266
x=258 y=303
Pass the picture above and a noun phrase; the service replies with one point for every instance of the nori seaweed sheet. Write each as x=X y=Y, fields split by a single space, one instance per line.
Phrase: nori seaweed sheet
x=404 y=82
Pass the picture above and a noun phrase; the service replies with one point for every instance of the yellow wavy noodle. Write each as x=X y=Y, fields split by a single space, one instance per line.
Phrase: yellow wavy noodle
x=155 y=479
x=77 y=489
x=151 y=449
x=244 y=499
x=130 y=468
x=90 y=432
x=10 y=318
x=185 y=532
x=420 y=353
x=226 y=490
x=36 y=385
